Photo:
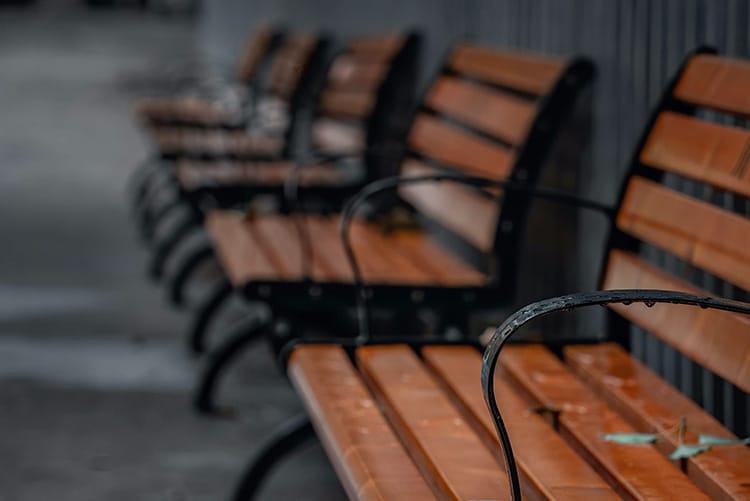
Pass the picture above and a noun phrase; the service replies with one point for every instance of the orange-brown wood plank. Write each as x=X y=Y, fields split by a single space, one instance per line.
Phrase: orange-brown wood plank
x=549 y=468
x=371 y=462
x=462 y=210
x=652 y=405
x=495 y=112
x=454 y=147
x=351 y=72
x=237 y=249
x=444 y=268
x=716 y=82
x=715 y=154
x=280 y=241
x=376 y=47
x=637 y=471
x=333 y=136
x=255 y=50
x=717 y=340
x=328 y=252
x=700 y=233
x=346 y=104
x=524 y=72
x=446 y=449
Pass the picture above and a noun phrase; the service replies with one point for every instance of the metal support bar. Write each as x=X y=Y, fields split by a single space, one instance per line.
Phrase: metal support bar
x=205 y=313
x=247 y=332
x=289 y=437
x=176 y=288
x=567 y=303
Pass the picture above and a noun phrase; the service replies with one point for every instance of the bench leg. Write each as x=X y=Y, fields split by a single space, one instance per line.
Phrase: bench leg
x=144 y=210
x=169 y=244
x=247 y=332
x=197 y=339
x=185 y=269
x=292 y=435
x=152 y=218
x=141 y=179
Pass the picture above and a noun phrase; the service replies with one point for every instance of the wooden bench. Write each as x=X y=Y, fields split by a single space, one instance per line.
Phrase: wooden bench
x=207 y=111
x=489 y=113
x=411 y=420
x=360 y=118
x=268 y=134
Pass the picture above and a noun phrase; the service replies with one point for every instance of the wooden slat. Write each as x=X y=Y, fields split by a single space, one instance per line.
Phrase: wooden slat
x=458 y=148
x=651 y=405
x=716 y=340
x=237 y=250
x=346 y=104
x=368 y=457
x=376 y=47
x=550 y=469
x=715 y=154
x=328 y=251
x=716 y=82
x=492 y=111
x=524 y=72
x=637 y=471
x=280 y=240
x=333 y=136
x=350 y=72
x=701 y=234
x=462 y=210
x=289 y=64
x=255 y=50
x=443 y=445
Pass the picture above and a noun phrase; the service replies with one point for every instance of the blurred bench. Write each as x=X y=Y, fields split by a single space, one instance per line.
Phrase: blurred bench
x=448 y=247
x=407 y=420
x=360 y=116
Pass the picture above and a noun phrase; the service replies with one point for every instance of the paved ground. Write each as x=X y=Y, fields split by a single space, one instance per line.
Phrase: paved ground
x=94 y=380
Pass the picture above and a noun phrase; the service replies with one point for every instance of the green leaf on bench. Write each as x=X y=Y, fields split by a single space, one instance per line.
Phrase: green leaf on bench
x=713 y=440
x=630 y=438
x=687 y=451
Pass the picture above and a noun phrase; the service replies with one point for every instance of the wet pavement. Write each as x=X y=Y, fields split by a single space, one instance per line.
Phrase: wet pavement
x=95 y=382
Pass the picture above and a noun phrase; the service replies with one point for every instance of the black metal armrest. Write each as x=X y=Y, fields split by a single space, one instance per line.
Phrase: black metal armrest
x=567 y=303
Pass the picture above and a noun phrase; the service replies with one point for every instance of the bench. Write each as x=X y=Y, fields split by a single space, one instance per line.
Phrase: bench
x=488 y=113
x=359 y=119
x=409 y=419
x=267 y=133
x=199 y=110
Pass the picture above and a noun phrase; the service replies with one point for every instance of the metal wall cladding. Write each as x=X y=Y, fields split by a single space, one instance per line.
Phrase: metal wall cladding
x=637 y=46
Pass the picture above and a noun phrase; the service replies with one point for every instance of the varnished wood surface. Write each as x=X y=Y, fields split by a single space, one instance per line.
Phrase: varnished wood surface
x=458 y=208
x=503 y=115
x=651 y=405
x=524 y=72
x=370 y=461
x=637 y=471
x=717 y=340
x=715 y=154
x=702 y=234
x=255 y=49
x=716 y=82
x=444 y=446
x=403 y=257
x=550 y=469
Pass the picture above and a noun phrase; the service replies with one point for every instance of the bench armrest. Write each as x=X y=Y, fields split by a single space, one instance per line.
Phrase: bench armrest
x=567 y=303
x=392 y=183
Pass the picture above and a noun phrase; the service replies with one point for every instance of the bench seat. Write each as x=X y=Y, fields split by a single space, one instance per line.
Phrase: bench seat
x=194 y=175
x=181 y=141
x=424 y=415
x=267 y=247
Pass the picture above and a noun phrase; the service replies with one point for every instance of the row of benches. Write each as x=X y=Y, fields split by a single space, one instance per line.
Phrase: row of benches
x=401 y=414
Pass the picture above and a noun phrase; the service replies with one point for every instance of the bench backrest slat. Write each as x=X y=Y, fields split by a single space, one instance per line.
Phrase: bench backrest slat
x=256 y=49
x=684 y=196
x=493 y=114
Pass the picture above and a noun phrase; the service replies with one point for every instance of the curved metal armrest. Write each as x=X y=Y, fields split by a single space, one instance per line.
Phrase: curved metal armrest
x=568 y=303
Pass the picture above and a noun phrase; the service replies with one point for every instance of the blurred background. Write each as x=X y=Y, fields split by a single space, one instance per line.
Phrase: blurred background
x=94 y=378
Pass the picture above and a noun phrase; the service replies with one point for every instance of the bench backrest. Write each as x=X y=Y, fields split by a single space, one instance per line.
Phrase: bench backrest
x=257 y=48
x=494 y=114
x=367 y=98
x=682 y=222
